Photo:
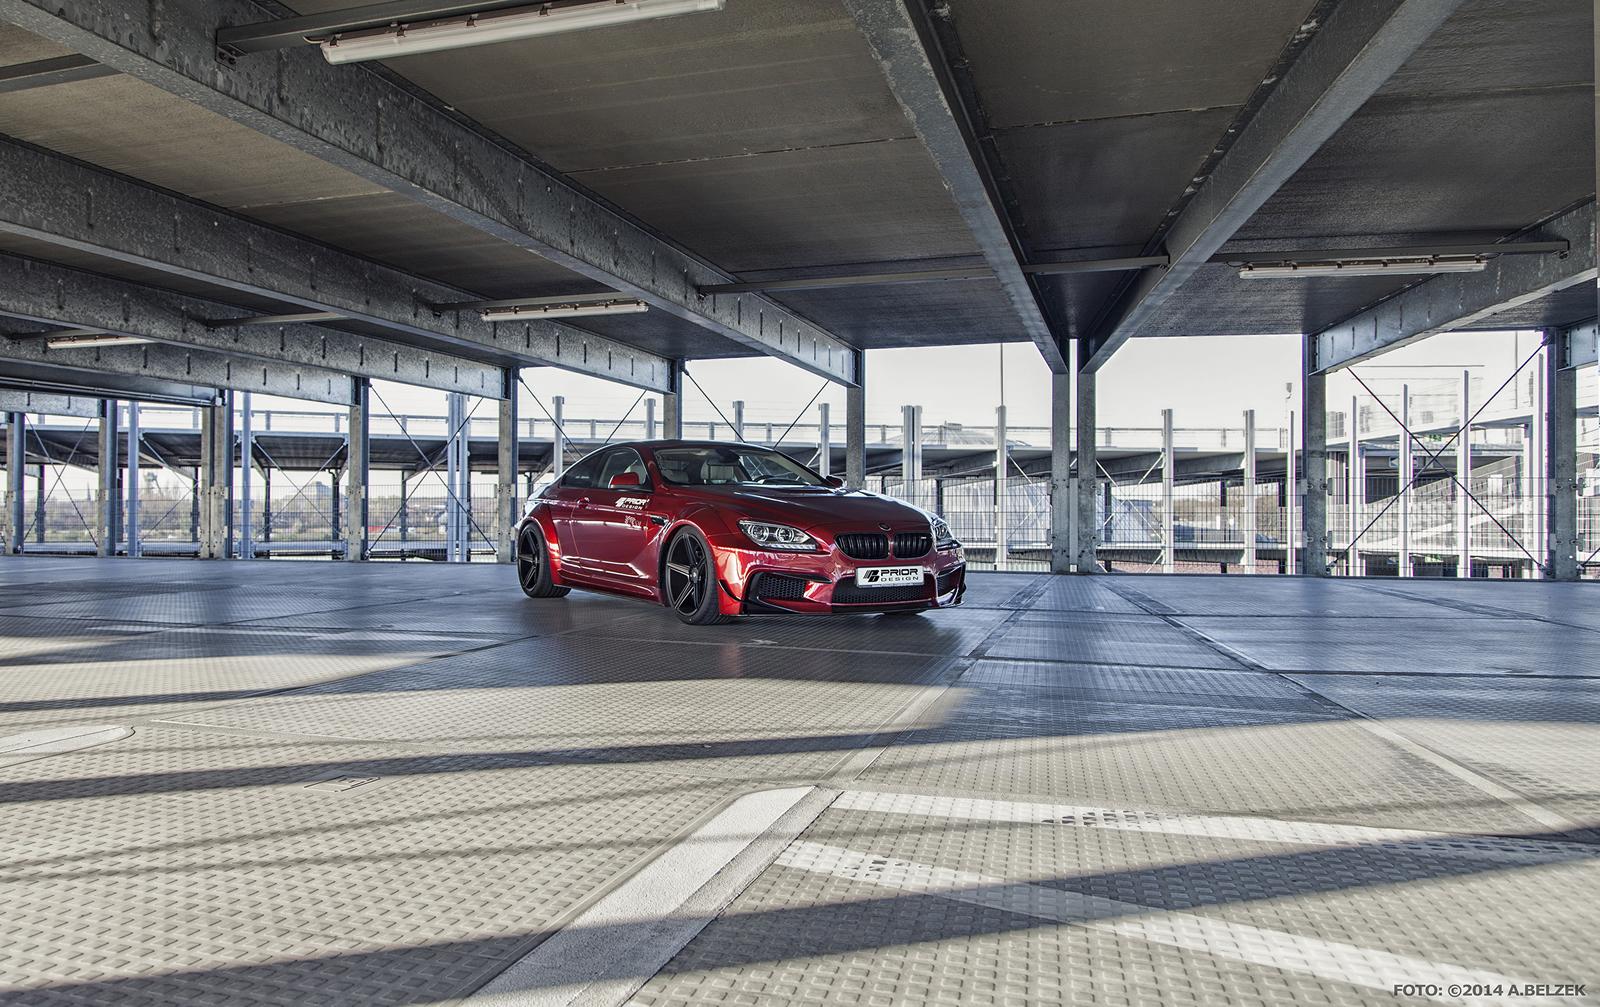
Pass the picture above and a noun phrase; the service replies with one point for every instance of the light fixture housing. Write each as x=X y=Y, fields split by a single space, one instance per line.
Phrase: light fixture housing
x=1413 y=267
x=92 y=340
x=500 y=26
x=534 y=312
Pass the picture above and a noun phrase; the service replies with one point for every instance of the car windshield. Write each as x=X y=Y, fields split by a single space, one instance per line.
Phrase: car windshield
x=730 y=465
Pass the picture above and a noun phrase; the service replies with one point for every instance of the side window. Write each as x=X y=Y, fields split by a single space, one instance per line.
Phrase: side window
x=582 y=475
x=622 y=460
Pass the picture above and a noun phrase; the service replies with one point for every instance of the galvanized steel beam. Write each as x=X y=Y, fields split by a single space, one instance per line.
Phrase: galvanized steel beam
x=368 y=125
x=71 y=205
x=1355 y=50
x=1582 y=344
x=49 y=294
x=49 y=72
x=910 y=56
x=1456 y=300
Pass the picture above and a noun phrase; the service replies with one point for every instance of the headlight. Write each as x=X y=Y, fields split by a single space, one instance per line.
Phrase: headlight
x=778 y=536
x=943 y=537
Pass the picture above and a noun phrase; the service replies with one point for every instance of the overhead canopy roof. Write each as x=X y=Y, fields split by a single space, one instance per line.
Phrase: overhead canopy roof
x=771 y=141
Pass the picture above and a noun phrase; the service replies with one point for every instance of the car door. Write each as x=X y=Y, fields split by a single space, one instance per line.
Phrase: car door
x=566 y=499
x=612 y=526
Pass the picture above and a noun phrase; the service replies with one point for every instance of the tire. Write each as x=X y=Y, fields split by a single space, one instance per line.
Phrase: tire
x=533 y=566
x=689 y=580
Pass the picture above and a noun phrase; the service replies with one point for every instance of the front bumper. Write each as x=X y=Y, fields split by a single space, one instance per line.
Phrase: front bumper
x=823 y=583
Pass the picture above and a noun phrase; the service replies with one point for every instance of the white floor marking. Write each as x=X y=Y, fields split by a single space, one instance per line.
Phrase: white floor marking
x=612 y=948
x=1329 y=960
x=20 y=748
x=1266 y=830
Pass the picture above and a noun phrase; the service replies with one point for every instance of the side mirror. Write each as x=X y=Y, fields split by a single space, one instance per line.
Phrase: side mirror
x=833 y=481
x=624 y=481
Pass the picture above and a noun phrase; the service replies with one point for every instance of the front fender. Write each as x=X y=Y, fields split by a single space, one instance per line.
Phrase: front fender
x=538 y=518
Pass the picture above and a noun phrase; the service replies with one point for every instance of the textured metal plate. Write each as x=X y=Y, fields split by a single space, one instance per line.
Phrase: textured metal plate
x=1105 y=639
x=946 y=631
x=183 y=867
x=746 y=711
x=1432 y=646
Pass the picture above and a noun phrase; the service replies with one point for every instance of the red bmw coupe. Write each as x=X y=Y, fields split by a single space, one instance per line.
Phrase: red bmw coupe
x=714 y=530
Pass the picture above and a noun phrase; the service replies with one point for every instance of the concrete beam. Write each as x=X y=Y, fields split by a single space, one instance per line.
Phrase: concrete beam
x=49 y=404
x=911 y=57
x=50 y=294
x=1582 y=345
x=368 y=125
x=1354 y=51
x=191 y=367
x=47 y=198
x=1457 y=300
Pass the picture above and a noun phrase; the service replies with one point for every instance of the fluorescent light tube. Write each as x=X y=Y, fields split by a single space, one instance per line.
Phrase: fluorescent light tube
x=1413 y=268
x=532 y=312
x=500 y=26
x=92 y=340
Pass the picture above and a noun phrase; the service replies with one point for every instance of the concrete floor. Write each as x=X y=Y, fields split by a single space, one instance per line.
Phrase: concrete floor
x=304 y=783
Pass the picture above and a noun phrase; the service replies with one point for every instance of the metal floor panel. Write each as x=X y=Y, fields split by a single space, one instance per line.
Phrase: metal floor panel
x=951 y=632
x=124 y=676
x=1410 y=645
x=1105 y=639
x=363 y=784
x=1540 y=737
x=753 y=712
x=893 y=908
x=182 y=867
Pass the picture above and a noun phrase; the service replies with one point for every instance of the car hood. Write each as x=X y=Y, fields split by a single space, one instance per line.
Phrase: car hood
x=814 y=508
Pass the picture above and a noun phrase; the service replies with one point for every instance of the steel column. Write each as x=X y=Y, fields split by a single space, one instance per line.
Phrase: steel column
x=649 y=418
x=824 y=447
x=1464 y=477
x=1403 y=474
x=506 y=510
x=358 y=462
x=1356 y=490
x=247 y=482
x=452 y=460
x=672 y=402
x=738 y=419
x=1561 y=462
x=855 y=428
x=106 y=511
x=130 y=512
x=1538 y=470
x=1291 y=489
x=1248 y=518
x=1314 y=437
x=1002 y=476
x=39 y=494
x=1169 y=558
x=558 y=465
x=216 y=453
x=16 y=483
x=1061 y=488
x=1085 y=523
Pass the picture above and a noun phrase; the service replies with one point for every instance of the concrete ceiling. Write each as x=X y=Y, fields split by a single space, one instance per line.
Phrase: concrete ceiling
x=765 y=138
